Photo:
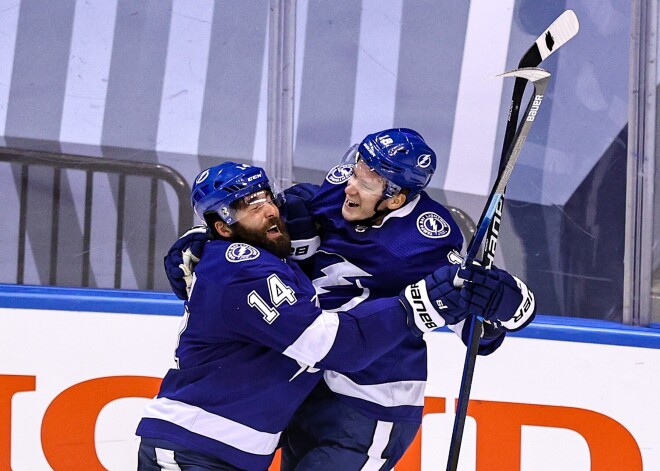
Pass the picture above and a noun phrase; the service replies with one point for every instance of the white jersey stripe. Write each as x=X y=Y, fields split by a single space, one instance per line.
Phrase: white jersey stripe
x=316 y=341
x=165 y=459
x=398 y=393
x=378 y=445
x=213 y=426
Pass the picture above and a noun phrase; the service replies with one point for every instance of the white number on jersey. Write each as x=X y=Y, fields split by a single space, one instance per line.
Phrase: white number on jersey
x=278 y=291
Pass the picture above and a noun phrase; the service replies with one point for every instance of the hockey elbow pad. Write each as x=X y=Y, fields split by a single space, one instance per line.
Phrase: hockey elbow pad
x=433 y=302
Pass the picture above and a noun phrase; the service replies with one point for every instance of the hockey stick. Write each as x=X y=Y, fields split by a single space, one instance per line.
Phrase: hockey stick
x=555 y=36
x=539 y=78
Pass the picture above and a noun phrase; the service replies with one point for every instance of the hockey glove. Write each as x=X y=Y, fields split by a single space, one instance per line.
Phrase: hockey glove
x=434 y=301
x=491 y=339
x=497 y=296
x=182 y=257
x=300 y=224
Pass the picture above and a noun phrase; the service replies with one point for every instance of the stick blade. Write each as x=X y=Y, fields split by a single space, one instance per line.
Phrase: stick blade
x=533 y=74
x=558 y=33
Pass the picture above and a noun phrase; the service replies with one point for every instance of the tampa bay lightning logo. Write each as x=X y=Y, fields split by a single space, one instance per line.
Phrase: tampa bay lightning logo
x=202 y=176
x=339 y=284
x=339 y=174
x=239 y=252
x=424 y=160
x=431 y=225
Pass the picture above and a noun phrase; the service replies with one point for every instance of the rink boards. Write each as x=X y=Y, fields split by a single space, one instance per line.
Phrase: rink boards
x=569 y=394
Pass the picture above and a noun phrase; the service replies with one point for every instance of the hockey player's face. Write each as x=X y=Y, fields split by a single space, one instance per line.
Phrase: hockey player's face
x=363 y=190
x=260 y=225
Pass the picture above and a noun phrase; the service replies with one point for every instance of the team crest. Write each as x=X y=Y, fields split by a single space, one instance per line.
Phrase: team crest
x=431 y=225
x=239 y=252
x=424 y=160
x=339 y=174
x=202 y=176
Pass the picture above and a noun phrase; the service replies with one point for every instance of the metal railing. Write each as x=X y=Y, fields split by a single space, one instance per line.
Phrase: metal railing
x=155 y=173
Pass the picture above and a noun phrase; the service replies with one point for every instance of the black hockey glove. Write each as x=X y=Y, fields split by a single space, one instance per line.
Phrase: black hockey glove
x=498 y=297
x=492 y=337
x=434 y=301
x=182 y=257
x=300 y=223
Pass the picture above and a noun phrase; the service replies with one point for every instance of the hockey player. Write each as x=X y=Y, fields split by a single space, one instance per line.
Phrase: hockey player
x=253 y=338
x=379 y=232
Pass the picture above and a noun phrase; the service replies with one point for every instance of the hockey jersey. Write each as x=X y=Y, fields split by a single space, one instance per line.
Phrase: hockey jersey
x=252 y=342
x=355 y=263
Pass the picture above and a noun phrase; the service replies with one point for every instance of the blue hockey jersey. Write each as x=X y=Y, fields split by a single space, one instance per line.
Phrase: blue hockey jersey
x=251 y=345
x=355 y=263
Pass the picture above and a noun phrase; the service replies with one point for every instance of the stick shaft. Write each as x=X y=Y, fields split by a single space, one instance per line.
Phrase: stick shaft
x=490 y=211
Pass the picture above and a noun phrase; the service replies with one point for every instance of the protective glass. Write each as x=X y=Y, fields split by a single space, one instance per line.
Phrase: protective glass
x=251 y=204
x=365 y=178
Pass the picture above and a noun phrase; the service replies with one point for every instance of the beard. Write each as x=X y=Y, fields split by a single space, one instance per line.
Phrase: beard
x=279 y=246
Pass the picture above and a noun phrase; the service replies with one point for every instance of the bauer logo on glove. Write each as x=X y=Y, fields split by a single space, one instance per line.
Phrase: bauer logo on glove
x=419 y=301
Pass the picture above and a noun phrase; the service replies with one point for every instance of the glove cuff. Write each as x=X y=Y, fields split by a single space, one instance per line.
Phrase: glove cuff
x=302 y=249
x=525 y=311
x=422 y=309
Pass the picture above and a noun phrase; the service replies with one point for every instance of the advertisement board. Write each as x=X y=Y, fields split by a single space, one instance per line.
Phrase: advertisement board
x=73 y=385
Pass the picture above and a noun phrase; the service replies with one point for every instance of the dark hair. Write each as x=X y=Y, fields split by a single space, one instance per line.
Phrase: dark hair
x=211 y=217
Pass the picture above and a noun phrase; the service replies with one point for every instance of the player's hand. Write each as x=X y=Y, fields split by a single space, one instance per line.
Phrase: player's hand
x=497 y=296
x=302 y=228
x=182 y=258
x=434 y=301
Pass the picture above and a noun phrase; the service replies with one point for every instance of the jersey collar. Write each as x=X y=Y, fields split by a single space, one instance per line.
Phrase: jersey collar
x=402 y=212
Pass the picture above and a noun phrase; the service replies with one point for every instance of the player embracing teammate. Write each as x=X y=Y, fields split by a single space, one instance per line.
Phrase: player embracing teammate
x=368 y=238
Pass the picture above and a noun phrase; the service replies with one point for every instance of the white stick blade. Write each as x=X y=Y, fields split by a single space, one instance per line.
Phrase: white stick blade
x=533 y=74
x=558 y=33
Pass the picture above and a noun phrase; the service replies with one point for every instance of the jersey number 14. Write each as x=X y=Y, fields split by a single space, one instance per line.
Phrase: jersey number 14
x=278 y=292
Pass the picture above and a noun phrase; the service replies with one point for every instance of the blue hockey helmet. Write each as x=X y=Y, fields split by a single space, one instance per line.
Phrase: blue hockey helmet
x=401 y=157
x=217 y=188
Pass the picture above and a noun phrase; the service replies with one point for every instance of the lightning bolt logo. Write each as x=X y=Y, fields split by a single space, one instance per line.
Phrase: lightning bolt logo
x=341 y=274
x=431 y=225
x=424 y=160
x=239 y=252
x=339 y=174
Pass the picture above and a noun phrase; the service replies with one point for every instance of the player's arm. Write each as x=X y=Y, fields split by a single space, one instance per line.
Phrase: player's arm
x=271 y=308
x=451 y=293
x=300 y=222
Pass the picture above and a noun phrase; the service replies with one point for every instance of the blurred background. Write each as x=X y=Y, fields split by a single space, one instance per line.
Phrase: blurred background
x=109 y=109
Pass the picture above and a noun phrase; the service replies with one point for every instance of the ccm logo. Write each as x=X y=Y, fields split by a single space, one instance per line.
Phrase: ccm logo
x=419 y=306
x=258 y=175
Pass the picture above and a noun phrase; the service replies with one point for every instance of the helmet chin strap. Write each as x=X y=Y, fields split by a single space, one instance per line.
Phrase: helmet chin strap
x=378 y=213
